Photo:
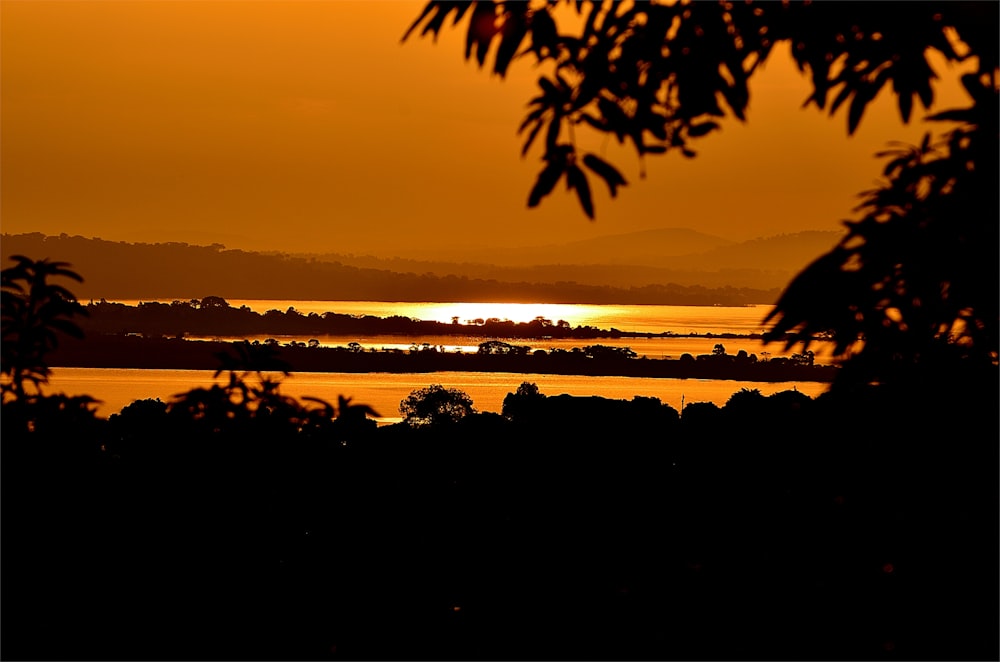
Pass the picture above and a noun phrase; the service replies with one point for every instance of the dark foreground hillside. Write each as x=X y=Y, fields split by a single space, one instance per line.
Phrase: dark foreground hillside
x=249 y=526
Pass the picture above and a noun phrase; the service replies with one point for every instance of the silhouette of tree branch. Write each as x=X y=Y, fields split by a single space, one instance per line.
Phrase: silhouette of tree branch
x=914 y=281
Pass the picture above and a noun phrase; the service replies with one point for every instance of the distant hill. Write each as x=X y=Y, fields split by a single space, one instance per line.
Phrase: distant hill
x=783 y=252
x=647 y=247
x=121 y=270
x=670 y=255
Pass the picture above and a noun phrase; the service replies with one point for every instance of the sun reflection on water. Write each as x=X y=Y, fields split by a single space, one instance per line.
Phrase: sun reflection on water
x=625 y=317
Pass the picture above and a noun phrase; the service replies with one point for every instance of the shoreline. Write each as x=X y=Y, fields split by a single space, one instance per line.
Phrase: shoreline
x=136 y=352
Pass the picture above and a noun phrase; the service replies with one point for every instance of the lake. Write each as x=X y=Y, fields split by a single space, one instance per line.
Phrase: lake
x=383 y=391
x=644 y=318
x=117 y=388
x=743 y=320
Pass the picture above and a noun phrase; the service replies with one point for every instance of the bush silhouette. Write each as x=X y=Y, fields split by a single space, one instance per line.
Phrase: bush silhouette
x=35 y=311
x=435 y=405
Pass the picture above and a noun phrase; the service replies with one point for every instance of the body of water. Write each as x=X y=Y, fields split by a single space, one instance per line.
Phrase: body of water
x=715 y=320
x=642 y=318
x=653 y=348
x=383 y=392
x=117 y=387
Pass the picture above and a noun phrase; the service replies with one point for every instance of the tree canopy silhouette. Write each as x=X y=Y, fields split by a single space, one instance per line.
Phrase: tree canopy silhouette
x=435 y=405
x=913 y=285
x=35 y=312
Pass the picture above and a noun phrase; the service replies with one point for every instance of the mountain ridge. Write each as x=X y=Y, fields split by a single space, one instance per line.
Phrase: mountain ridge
x=181 y=270
x=640 y=248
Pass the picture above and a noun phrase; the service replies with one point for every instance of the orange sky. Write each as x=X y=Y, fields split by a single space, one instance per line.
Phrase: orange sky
x=307 y=126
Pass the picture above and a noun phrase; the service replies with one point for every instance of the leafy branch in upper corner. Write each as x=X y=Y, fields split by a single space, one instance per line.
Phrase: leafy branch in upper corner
x=913 y=285
x=658 y=76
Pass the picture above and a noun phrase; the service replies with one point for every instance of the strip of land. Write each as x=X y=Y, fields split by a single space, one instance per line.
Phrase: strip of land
x=123 y=351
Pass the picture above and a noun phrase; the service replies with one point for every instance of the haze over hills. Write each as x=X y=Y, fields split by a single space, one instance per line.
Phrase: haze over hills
x=669 y=255
x=642 y=267
x=784 y=252
x=647 y=247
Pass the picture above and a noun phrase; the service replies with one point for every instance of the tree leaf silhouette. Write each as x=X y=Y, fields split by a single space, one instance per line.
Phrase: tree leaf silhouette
x=702 y=129
x=482 y=29
x=546 y=181
x=606 y=171
x=576 y=179
x=512 y=33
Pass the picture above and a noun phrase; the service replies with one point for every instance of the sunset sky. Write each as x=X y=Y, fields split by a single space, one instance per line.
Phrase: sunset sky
x=308 y=126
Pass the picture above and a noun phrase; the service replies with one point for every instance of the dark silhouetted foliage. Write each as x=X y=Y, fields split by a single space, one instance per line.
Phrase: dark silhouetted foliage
x=237 y=523
x=35 y=312
x=911 y=292
x=435 y=405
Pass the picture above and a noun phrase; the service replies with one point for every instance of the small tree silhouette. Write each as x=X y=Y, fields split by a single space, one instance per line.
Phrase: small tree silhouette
x=34 y=313
x=435 y=405
x=528 y=389
x=251 y=397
